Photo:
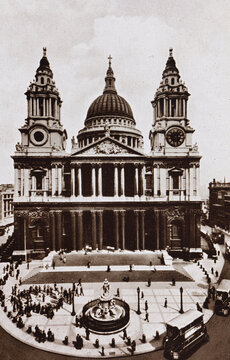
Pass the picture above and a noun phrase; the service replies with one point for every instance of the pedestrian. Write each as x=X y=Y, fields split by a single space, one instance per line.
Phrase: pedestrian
x=147 y=316
x=149 y=282
x=53 y=265
x=103 y=351
x=146 y=305
x=166 y=303
x=173 y=282
x=124 y=334
x=142 y=295
x=81 y=291
x=212 y=270
x=118 y=292
x=76 y=291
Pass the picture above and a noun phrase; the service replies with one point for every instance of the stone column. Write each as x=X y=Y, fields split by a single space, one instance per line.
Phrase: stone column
x=142 y=181
x=122 y=229
x=136 y=190
x=136 y=212
x=59 y=229
x=142 y=229
x=100 y=180
x=38 y=113
x=122 y=180
x=93 y=180
x=15 y=181
x=73 y=229
x=170 y=107
x=80 y=229
x=79 y=180
x=157 y=229
x=191 y=182
x=50 y=107
x=94 y=229
x=73 y=190
x=59 y=179
x=187 y=184
x=155 y=181
x=116 y=228
x=53 y=235
x=177 y=108
x=163 y=181
x=34 y=107
x=26 y=182
x=100 y=213
x=22 y=181
x=198 y=181
x=44 y=107
x=54 y=180
x=115 y=180
x=164 y=112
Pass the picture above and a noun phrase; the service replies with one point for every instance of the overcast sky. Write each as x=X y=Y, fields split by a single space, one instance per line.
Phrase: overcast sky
x=79 y=36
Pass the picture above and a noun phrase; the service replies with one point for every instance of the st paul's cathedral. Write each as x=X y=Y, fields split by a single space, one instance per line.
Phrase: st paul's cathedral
x=107 y=192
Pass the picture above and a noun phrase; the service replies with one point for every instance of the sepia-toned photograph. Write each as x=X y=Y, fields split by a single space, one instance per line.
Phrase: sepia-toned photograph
x=115 y=179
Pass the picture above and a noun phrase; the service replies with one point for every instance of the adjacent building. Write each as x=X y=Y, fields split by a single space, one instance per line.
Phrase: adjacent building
x=219 y=204
x=107 y=191
x=6 y=208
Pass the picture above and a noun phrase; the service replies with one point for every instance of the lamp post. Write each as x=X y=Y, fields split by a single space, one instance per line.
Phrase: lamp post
x=138 y=301
x=181 y=300
x=73 y=308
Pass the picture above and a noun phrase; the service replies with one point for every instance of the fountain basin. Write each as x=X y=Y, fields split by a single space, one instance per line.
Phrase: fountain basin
x=109 y=322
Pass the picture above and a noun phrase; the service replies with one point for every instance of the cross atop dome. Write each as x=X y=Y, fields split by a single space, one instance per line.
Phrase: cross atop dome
x=109 y=58
x=171 y=52
x=44 y=51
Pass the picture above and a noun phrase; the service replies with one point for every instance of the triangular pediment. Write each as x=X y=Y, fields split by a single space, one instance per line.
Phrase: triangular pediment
x=107 y=146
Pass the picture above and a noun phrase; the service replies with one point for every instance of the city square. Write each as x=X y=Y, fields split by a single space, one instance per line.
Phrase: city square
x=114 y=240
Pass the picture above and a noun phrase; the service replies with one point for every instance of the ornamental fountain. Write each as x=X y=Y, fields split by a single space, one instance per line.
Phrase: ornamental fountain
x=107 y=314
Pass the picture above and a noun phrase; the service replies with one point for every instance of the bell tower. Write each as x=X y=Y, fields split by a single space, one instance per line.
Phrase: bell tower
x=171 y=132
x=42 y=132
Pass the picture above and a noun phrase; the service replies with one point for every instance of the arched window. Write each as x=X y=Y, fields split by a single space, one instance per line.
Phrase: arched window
x=48 y=80
x=172 y=81
x=42 y=80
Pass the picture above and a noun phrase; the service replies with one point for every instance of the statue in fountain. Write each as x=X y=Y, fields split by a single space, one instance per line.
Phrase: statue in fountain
x=106 y=289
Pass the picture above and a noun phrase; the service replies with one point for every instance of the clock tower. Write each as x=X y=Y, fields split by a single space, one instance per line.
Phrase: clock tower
x=171 y=133
x=175 y=160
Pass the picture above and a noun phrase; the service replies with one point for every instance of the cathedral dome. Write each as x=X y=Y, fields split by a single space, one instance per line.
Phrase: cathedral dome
x=109 y=103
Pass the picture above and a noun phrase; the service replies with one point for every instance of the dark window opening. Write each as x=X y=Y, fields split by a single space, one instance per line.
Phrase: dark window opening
x=173 y=108
x=41 y=109
x=172 y=81
x=39 y=181
x=175 y=182
x=108 y=180
x=161 y=107
x=129 y=180
x=42 y=80
x=53 y=107
x=87 y=183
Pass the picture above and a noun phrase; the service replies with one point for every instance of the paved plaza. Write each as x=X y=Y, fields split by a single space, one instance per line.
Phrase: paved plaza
x=63 y=323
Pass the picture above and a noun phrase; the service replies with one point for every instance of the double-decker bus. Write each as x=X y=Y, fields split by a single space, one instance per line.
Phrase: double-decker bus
x=184 y=333
x=222 y=303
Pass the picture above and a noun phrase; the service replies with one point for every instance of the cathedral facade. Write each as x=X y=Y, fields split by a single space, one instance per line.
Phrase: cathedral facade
x=107 y=192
